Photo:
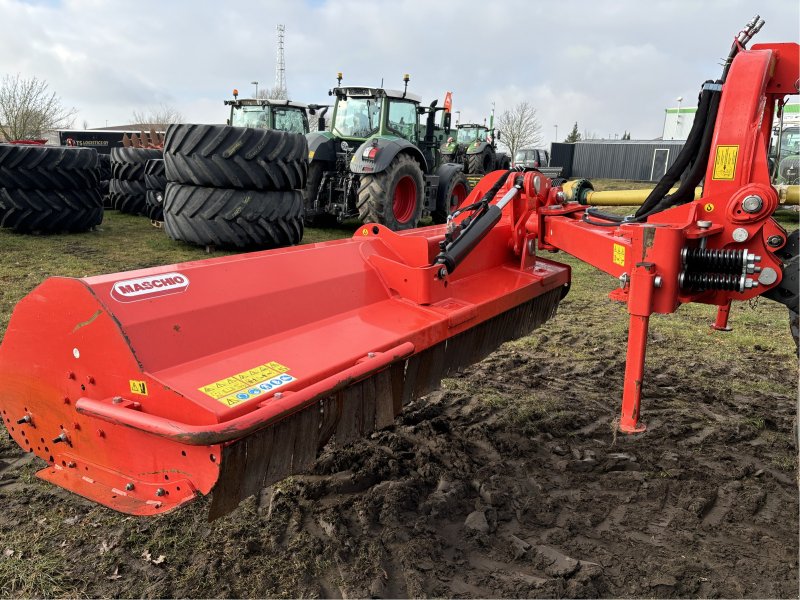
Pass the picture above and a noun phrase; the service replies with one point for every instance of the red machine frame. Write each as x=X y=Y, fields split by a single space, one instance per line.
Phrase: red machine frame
x=647 y=256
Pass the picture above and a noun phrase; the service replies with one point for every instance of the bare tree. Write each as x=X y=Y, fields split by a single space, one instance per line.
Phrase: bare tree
x=28 y=109
x=519 y=127
x=274 y=93
x=157 y=118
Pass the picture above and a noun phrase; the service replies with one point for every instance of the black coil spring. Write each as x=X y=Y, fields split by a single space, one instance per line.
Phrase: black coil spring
x=711 y=281
x=714 y=260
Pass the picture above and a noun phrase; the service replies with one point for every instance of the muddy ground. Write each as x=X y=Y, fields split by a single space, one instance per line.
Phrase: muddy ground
x=509 y=482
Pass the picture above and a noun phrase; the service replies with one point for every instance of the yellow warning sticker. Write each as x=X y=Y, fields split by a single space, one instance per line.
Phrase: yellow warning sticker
x=138 y=387
x=248 y=384
x=725 y=162
x=619 y=255
x=709 y=207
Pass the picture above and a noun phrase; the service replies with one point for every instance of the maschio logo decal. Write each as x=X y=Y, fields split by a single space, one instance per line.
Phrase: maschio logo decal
x=144 y=288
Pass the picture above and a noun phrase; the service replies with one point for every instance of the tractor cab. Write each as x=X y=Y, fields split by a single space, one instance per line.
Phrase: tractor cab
x=470 y=133
x=283 y=115
x=784 y=157
x=362 y=112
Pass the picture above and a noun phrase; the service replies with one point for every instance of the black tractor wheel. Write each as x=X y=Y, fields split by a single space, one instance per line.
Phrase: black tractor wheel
x=34 y=167
x=154 y=205
x=482 y=162
x=456 y=192
x=128 y=196
x=103 y=167
x=236 y=157
x=392 y=197
x=105 y=194
x=228 y=218
x=50 y=211
x=448 y=158
x=129 y=163
x=154 y=174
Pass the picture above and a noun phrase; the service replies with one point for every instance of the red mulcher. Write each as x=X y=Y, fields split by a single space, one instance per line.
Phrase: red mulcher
x=144 y=389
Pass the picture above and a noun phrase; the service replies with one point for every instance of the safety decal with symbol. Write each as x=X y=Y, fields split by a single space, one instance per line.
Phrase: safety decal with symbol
x=248 y=384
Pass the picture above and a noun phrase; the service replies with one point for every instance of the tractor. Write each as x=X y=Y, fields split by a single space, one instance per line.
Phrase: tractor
x=283 y=115
x=475 y=147
x=785 y=157
x=378 y=163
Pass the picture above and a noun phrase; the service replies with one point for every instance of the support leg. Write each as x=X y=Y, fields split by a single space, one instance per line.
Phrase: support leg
x=721 y=322
x=634 y=372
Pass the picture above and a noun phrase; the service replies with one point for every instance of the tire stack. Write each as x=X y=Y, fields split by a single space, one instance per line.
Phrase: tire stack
x=234 y=187
x=49 y=189
x=127 y=187
x=155 y=181
x=104 y=176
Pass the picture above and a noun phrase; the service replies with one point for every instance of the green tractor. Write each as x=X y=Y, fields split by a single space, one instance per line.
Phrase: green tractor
x=283 y=115
x=785 y=156
x=378 y=163
x=475 y=147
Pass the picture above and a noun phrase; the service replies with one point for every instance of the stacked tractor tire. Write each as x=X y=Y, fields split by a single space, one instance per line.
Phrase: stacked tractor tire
x=127 y=188
x=104 y=177
x=155 y=181
x=49 y=189
x=234 y=187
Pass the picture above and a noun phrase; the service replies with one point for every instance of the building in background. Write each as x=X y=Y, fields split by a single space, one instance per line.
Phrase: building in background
x=678 y=122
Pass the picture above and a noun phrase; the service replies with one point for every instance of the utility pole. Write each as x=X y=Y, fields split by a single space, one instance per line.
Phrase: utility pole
x=280 y=65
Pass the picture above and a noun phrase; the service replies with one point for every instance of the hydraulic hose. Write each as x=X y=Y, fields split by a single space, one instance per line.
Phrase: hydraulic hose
x=685 y=192
x=687 y=155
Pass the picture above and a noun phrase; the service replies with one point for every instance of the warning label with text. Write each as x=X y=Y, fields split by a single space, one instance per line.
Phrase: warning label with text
x=248 y=384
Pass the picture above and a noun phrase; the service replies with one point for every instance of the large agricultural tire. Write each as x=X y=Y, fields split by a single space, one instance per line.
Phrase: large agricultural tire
x=482 y=162
x=456 y=192
x=104 y=188
x=236 y=157
x=154 y=174
x=128 y=196
x=154 y=205
x=393 y=197
x=47 y=167
x=50 y=211
x=103 y=167
x=448 y=158
x=129 y=163
x=228 y=218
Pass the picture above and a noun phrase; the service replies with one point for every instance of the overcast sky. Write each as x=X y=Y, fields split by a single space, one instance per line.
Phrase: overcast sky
x=610 y=65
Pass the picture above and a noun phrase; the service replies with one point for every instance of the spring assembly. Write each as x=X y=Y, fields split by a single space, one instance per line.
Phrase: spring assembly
x=713 y=281
x=715 y=260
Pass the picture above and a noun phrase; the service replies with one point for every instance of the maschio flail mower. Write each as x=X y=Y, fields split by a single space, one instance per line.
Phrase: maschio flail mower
x=143 y=390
